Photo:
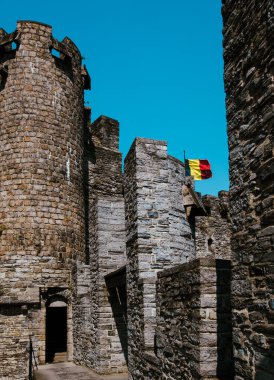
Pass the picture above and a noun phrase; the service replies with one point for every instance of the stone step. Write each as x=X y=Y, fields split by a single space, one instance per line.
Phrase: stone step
x=60 y=357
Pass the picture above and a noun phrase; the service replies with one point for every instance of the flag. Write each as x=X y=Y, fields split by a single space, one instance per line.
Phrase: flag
x=199 y=169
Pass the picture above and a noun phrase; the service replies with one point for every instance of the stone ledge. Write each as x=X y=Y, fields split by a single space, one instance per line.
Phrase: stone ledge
x=202 y=262
x=34 y=22
x=145 y=140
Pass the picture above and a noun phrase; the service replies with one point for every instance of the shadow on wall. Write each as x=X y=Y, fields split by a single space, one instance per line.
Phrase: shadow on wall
x=116 y=286
x=265 y=369
x=87 y=157
x=265 y=363
x=225 y=363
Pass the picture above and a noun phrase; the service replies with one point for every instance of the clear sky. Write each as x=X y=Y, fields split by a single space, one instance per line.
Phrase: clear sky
x=155 y=65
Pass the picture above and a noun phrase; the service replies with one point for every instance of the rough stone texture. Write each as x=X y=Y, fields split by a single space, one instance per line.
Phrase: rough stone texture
x=193 y=339
x=41 y=134
x=62 y=226
x=84 y=332
x=14 y=343
x=181 y=241
x=41 y=172
x=100 y=346
x=248 y=56
x=157 y=237
x=213 y=231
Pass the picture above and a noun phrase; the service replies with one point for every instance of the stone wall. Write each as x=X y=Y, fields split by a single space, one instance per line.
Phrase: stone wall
x=213 y=231
x=41 y=172
x=157 y=237
x=41 y=161
x=110 y=253
x=99 y=344
x=248 y=75
x=193 y=336
x=14 y=342
x=84 y=334
x=181 y=240
x=63 y=234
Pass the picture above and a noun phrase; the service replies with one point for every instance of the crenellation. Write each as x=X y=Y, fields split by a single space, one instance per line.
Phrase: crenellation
x=213 y=231
x=105 y=132
x=131 y=272
x=39 y=205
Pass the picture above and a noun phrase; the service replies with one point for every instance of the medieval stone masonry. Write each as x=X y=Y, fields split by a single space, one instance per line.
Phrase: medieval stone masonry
x=248 y=56
x=133 y=271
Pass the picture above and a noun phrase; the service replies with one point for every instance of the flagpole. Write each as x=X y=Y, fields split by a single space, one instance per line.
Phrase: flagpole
x=186 y=183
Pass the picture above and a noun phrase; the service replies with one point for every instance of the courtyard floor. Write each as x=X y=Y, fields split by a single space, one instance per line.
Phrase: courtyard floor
x=71 y=371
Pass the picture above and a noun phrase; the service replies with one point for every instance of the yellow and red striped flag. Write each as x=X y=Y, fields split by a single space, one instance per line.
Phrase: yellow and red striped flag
x=199 y=169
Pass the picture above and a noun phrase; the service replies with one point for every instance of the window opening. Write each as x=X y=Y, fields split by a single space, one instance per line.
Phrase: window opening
x=62 y=61
x=210 y=245
x=55 y=53
x=14 y=45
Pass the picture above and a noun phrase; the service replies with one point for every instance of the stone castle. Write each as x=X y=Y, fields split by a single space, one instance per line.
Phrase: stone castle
x=133 y=271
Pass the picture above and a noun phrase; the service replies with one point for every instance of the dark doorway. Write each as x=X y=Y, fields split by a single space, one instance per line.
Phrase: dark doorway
x=56 y=334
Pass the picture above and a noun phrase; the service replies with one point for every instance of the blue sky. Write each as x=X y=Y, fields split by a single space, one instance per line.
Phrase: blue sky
x=156 y=66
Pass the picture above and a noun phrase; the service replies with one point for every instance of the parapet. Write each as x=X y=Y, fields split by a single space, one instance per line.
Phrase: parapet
x=213 y=231
x=105 y=132
x=6 y=40
x=30 y=30
x=37 y=37
x=219 y=205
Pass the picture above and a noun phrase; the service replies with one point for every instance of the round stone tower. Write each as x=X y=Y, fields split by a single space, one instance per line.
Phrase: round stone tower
x=41 y=155
x=42 y=215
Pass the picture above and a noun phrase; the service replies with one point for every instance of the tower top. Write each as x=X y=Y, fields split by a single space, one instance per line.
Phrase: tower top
x=37 y=36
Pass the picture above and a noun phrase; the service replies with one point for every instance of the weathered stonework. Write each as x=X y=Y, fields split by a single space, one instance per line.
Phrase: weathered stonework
x=100 y=346
x=41 y=203
x=133 y=269
x=64 y=228
x=40 y=147
x=248 y=75
x=14 y=340
x=193 y=336
x=213 y=231
x=158 y=237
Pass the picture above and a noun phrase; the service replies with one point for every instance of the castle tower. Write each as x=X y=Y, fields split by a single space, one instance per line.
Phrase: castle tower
x=41 y=178
x=248 y=74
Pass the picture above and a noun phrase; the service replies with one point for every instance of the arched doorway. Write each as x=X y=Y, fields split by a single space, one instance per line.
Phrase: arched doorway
x=56 y=330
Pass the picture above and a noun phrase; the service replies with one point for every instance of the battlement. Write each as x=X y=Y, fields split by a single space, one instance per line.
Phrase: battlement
x=217 y=204
x=6 y=41
x=105 y=132
x=6 y=38
x=71 y=221
x=32 y=45
x=213 y=231
x=37 y=36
